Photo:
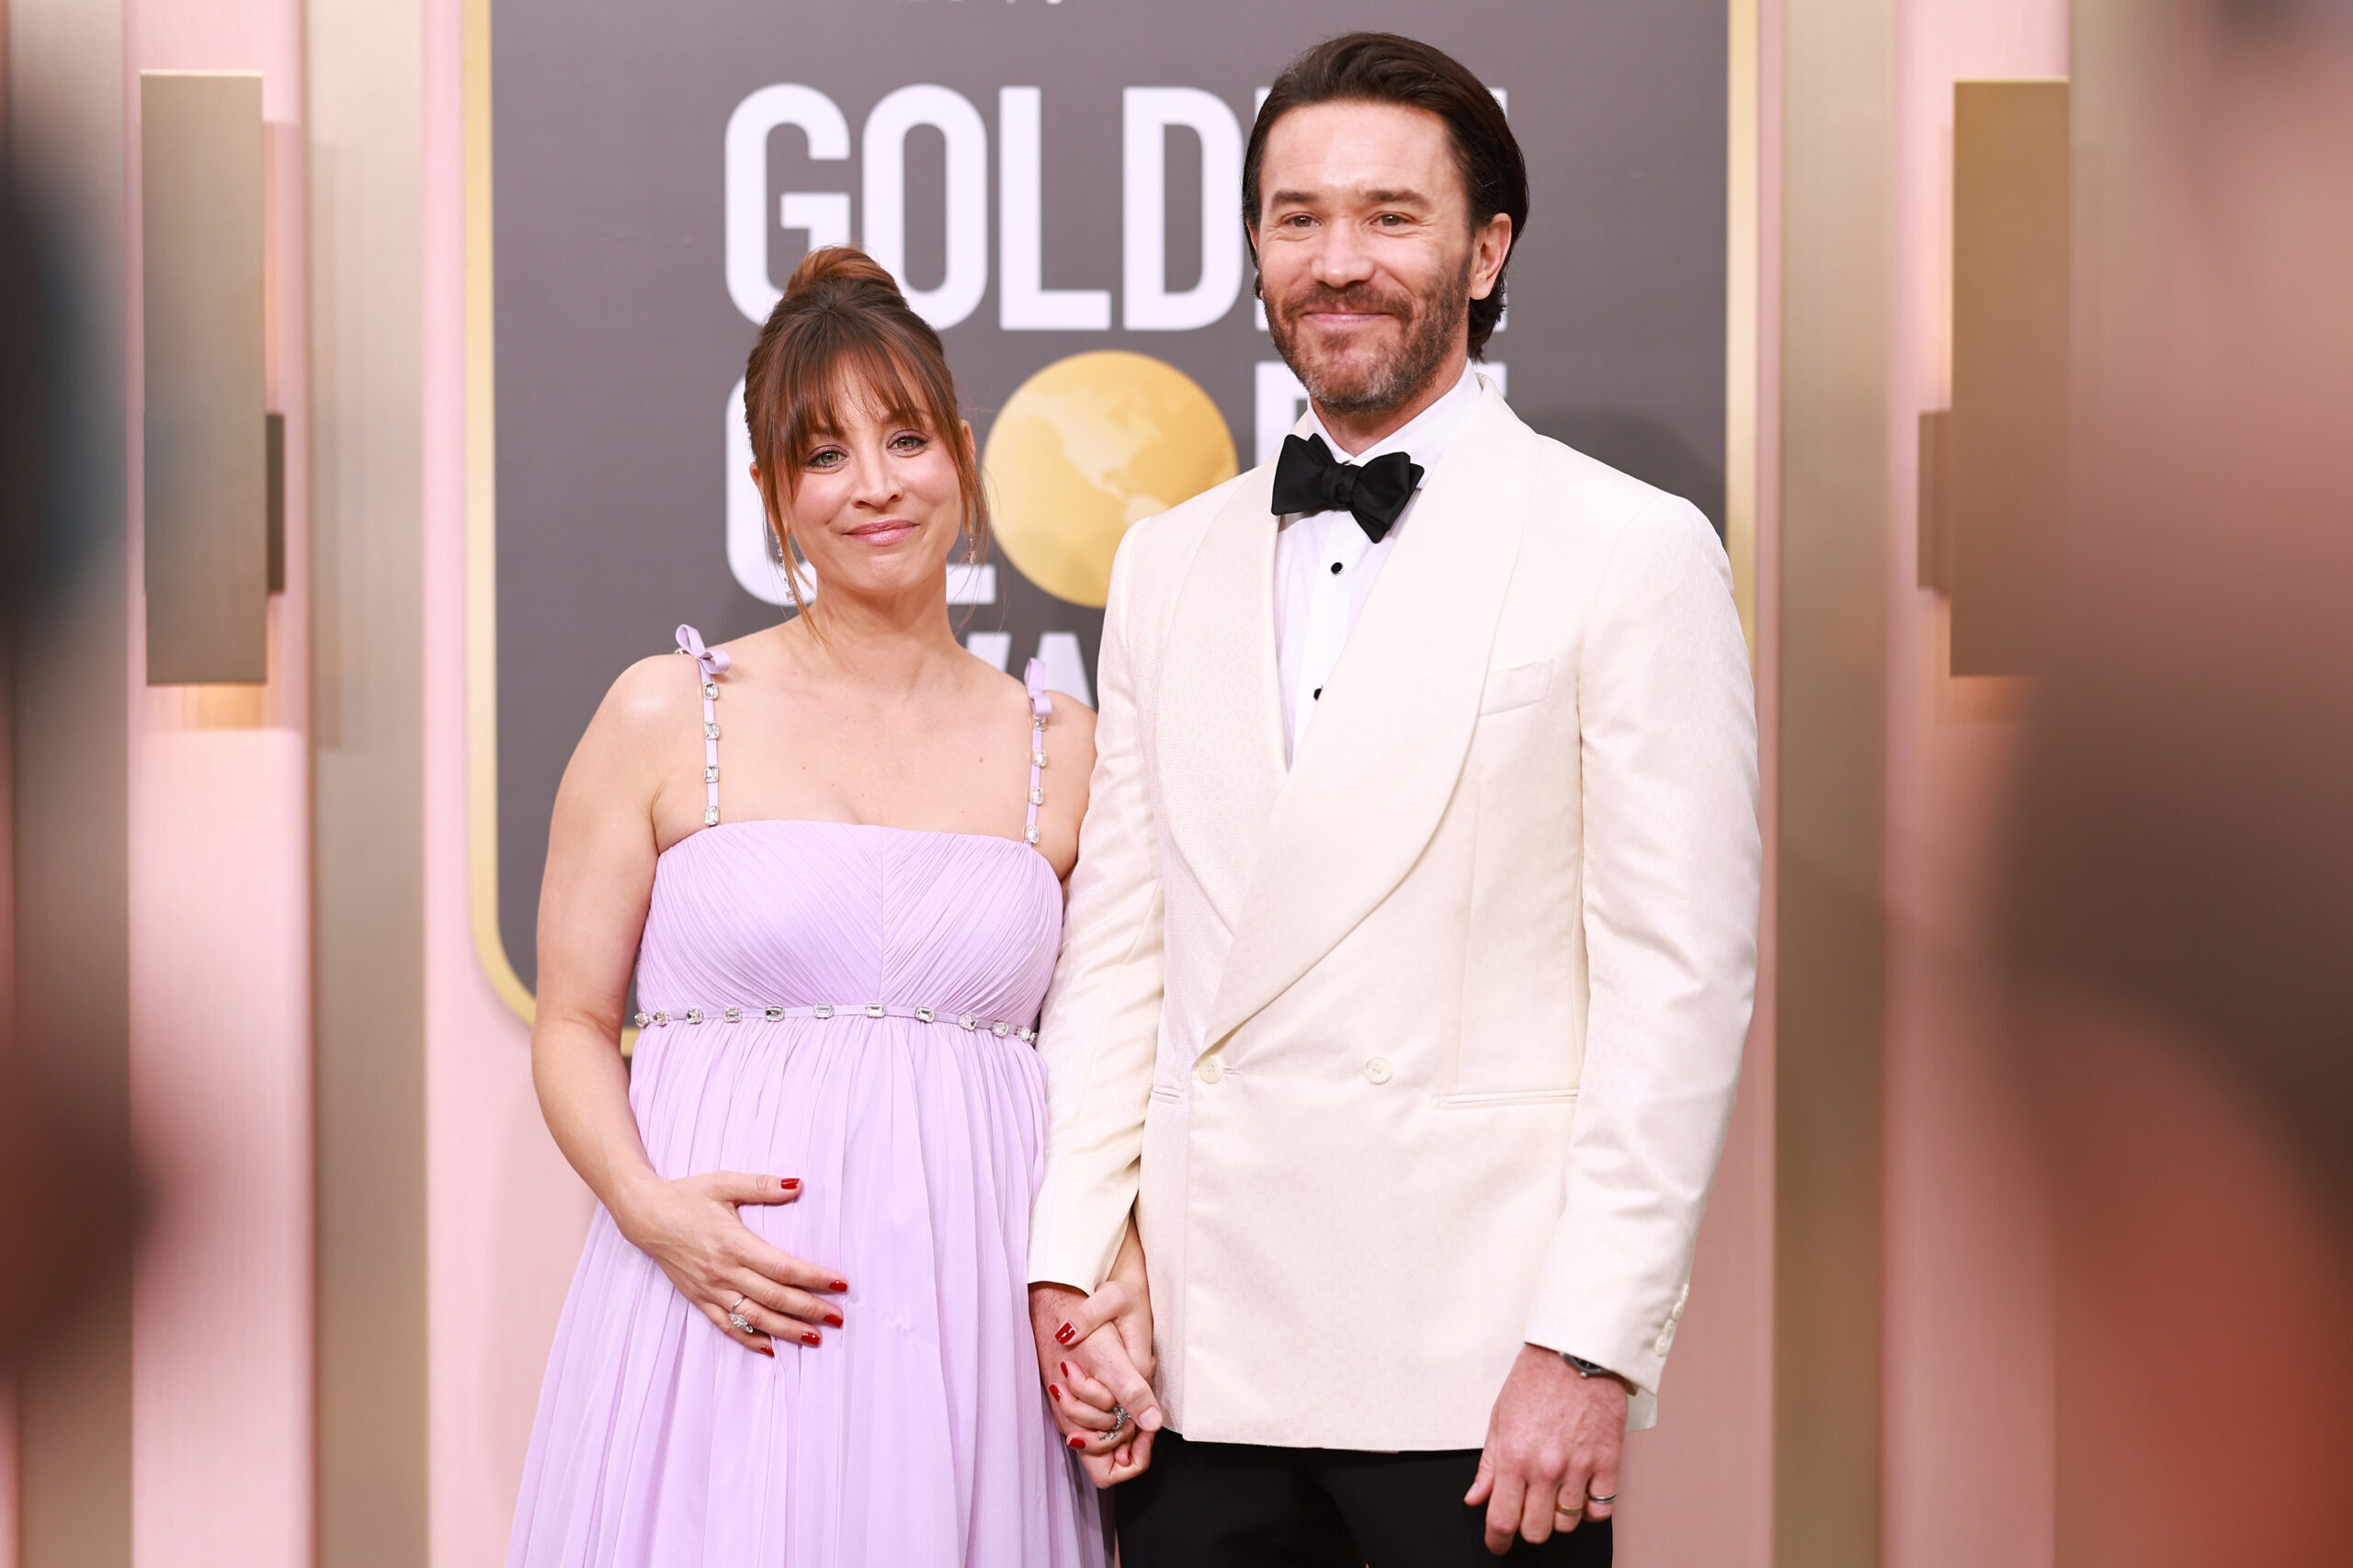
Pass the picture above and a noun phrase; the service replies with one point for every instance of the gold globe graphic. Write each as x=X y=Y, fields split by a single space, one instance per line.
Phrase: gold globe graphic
x=1087 y=449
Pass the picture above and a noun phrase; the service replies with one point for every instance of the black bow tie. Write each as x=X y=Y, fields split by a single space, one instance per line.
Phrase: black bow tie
x=1308 y=480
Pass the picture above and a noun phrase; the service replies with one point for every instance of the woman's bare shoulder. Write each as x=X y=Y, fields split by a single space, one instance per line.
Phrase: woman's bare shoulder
x=651 y=698
x=650 y=715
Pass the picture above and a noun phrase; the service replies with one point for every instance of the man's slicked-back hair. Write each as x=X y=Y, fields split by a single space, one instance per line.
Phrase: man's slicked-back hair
x=1384 y=68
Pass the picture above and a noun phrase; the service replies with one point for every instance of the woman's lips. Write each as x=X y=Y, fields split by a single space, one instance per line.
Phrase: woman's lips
x=890 y=532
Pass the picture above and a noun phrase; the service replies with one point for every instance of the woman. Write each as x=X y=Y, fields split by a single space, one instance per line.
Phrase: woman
x=832 y=852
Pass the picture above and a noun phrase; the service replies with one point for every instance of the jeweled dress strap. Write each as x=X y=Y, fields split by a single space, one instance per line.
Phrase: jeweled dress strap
x=1041 y=707
x=714 y=662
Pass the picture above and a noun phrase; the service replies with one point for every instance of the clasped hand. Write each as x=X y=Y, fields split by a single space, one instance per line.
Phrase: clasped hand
x=1096 y=1355
x=691 y=1227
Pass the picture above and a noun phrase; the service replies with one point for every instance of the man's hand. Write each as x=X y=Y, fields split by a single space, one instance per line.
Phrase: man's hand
x=1084 y=1360
x=1551 y=1445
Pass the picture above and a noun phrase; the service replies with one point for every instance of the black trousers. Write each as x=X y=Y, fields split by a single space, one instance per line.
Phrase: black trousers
x=1239 y=1506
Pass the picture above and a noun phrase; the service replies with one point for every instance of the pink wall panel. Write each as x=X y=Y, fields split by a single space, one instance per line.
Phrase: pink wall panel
x=221 y=1386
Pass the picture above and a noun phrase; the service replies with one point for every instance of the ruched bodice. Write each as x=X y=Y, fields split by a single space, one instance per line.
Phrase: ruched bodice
x=851 y=1007
x=795 y=913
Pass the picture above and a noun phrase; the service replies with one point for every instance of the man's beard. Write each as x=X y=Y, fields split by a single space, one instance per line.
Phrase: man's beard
x=1431 y=322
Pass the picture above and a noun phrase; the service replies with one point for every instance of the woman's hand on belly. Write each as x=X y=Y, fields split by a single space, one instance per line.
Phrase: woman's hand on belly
x=691 y=1228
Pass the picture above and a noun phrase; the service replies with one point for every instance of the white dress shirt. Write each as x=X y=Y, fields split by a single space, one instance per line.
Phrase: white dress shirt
x=1325 y=566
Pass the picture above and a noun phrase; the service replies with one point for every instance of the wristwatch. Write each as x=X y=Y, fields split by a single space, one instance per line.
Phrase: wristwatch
x=1585 y=1368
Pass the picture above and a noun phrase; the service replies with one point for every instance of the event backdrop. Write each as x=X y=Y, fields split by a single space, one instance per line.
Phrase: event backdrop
x=1057 y=185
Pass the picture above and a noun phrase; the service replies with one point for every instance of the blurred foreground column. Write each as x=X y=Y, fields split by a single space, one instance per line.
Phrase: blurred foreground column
x=71 y=691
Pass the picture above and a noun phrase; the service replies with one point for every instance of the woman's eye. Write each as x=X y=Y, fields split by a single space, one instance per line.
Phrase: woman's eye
x=910 y=442
x=829 y=458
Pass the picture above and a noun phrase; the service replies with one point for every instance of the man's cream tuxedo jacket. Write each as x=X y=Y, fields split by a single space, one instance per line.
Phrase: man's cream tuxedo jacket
x=1424 y=1047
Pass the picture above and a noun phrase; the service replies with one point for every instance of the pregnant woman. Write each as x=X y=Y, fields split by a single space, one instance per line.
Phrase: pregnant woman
x=833 y=854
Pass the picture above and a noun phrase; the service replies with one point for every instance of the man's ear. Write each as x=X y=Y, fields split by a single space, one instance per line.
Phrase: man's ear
x=1490 y=249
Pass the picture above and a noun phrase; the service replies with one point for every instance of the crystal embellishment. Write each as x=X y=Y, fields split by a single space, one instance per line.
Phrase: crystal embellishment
x=711 y=817
x=969 y=1020
x=644 y=1019
x=773 y=1015
x=925 y=1015
x=694 y=1015
x=876 y=1010
x=710 y=773
x=735 y=1015
x=823 y=1010
x=710 y=731
x=709 y=692
x=1037 y=759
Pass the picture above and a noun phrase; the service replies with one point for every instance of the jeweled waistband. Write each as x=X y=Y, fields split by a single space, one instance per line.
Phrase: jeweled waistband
x=776 y=1015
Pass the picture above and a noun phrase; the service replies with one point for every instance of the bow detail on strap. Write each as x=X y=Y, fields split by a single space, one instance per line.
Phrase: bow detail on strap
x=1040 y=705
x=1309 y=479
x=712 y=660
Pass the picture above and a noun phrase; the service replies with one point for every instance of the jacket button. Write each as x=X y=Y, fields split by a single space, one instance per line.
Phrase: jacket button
x=1376 y=1071
x=1211 y=1070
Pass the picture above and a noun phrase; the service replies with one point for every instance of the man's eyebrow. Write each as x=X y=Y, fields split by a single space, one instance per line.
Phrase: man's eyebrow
x=1402 y=197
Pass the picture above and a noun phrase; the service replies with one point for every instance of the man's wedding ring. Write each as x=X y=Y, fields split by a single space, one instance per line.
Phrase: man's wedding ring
x=1568 y=1510
x=735 y=1315
x=1591 y=1498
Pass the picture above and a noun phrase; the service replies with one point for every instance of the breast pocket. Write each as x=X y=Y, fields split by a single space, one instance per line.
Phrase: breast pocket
x=1515 y=687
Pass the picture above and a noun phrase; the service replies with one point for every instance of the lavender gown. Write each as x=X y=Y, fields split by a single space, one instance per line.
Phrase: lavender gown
x=916 y=1433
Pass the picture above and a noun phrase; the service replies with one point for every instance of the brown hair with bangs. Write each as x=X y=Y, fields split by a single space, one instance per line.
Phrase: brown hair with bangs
x=843 y=330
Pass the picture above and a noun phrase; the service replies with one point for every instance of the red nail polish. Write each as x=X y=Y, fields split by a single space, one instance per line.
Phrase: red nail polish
x=1078 y=1442
x=1056 y=1390
x=791 y=1182
x=1063 y=1368
x=810 y=1336
x=838 y=1285
x=767 y=1350
x=835 y=1319
x=1064 y=1335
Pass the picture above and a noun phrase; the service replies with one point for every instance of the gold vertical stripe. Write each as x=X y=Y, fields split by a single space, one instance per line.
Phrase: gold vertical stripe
x=482 y=532
x=1837 y=100
x=1743 y=239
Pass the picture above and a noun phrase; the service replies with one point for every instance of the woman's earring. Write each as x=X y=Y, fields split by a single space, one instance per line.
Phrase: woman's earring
x=776 y=548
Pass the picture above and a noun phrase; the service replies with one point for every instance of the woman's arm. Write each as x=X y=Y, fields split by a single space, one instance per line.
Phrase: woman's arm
x=602 y=845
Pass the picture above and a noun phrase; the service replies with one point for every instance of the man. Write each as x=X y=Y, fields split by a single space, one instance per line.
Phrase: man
x=1413 y=938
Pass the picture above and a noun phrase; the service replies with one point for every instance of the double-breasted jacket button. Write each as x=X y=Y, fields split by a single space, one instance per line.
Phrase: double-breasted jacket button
x=1211 y=1069
x=1378 y=1070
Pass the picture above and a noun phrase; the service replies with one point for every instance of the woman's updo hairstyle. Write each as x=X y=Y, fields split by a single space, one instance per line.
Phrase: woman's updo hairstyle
x=843 y=331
